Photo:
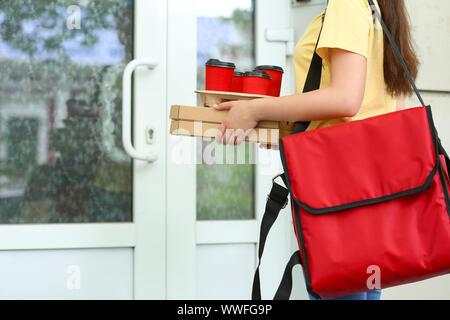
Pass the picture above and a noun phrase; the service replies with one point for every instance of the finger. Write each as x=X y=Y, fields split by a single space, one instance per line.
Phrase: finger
x=246 y=134
x=223 y=106
x=227 y=136
x=232 y=138
x=220 y=133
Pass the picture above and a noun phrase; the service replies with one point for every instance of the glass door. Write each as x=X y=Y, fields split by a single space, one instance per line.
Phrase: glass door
x=79 y=218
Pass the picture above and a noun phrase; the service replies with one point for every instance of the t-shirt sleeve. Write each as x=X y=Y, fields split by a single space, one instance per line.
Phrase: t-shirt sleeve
x=346 y=26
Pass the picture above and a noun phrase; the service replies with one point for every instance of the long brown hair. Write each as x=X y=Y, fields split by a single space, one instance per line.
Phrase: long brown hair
x=396 y=18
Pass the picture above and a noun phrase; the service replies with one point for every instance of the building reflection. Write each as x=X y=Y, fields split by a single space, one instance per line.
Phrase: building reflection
x=61 y=158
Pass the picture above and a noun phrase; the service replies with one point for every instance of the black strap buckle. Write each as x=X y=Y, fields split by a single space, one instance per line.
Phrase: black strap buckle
x=273 y=182
x=277 y=176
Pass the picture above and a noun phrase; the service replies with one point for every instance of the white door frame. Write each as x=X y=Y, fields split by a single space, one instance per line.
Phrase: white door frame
x=181 y=176
x=149 y=179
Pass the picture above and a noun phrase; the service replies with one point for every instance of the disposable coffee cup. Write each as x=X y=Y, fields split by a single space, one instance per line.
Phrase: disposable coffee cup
x=236 y=83
x=276 y=73
x=219 y=75
x=256 y=82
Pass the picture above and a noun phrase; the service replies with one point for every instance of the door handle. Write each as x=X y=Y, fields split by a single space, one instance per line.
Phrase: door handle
x=126 y=110
x=282 y=35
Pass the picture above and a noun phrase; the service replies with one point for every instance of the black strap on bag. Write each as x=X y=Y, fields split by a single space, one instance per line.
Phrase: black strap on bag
x=276 y=200
x=278 y=195
x=312 y=80
x=285 y=287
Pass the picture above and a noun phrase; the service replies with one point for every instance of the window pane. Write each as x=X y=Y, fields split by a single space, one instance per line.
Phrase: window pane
x=61 y=158
x=225 y=31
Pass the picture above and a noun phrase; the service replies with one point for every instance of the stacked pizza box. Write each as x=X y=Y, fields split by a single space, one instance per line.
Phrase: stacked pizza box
x=205 y=121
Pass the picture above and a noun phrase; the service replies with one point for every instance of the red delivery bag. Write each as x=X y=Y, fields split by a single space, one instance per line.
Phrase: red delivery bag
x=366 y=195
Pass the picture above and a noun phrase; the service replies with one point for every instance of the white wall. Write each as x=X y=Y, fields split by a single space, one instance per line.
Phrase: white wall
x=431 y=29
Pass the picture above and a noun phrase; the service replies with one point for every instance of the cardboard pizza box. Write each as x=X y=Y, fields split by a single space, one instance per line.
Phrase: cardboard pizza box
x=207 y=114
x=205 y=121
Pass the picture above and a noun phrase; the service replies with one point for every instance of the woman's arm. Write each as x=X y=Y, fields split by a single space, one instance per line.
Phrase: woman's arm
x=342 y=98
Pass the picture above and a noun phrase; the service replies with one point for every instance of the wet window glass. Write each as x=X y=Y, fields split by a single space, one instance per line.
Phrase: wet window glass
x=225 y=31
x=61 y=158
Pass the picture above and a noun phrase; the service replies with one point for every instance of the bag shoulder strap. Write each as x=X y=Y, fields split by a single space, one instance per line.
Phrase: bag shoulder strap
x=312 y=79
x=315 y=70
x=276 y=200
x=285 y=287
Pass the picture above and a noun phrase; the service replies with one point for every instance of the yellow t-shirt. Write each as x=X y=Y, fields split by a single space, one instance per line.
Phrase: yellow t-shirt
x=348 y=25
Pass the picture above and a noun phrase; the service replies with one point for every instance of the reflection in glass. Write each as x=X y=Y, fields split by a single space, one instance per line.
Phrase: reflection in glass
x=225 y=31
x=61 y=158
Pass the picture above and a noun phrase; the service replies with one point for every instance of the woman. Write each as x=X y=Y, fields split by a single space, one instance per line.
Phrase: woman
x=361 y=76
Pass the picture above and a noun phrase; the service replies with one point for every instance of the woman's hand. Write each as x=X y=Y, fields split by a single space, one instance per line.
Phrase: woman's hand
x=239 y=122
